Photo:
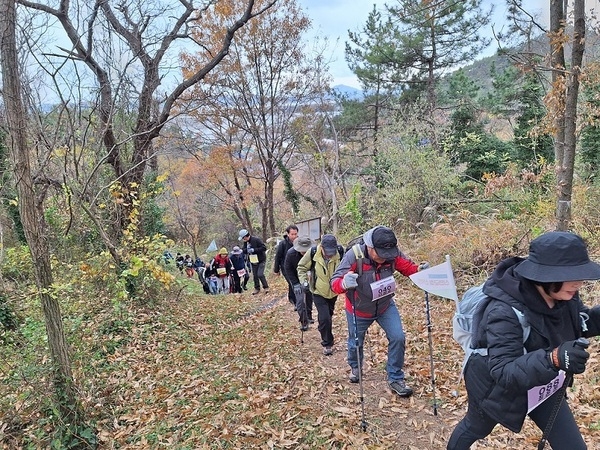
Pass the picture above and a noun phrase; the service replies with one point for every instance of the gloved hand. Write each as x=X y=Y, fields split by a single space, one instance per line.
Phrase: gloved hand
x=297 y=289
x=305 y=286
x=570 y=356
x=424 y=265
x=250 y=250
x=349 y=281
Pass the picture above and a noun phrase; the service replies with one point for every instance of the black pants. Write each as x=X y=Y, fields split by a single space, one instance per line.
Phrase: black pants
x=325 y=308
x=291 y=295
x=238 y=283
x=258 y=276
x=304 y=306
x=476 y=425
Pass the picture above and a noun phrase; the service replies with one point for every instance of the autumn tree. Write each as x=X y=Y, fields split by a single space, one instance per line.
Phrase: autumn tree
x=248 y=103
x=116 y=102
x=562 y=100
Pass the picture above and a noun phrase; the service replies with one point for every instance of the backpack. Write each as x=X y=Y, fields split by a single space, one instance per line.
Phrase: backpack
x=313 y=250
x=462 y=322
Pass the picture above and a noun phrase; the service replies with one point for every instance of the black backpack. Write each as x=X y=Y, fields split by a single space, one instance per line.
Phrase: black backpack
x=313 y=250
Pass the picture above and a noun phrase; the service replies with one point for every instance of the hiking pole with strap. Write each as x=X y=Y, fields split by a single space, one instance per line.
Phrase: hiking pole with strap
x=360 y=380
x=430 y=338
x=581 y=342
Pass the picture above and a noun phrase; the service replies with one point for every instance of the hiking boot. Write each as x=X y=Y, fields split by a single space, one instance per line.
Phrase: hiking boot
x=400 y=388
x=354 y=375
x=255 y=291
x=327 y=351
x=304 y=327
x=266 y=290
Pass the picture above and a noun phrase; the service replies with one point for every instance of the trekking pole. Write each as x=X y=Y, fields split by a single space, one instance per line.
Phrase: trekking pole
x=303 y=317
x=430 y=338
x=363 y=423
x=581 y=342
x=368 y=338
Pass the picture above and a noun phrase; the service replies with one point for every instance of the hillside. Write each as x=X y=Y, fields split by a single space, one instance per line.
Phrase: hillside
x=234 y=372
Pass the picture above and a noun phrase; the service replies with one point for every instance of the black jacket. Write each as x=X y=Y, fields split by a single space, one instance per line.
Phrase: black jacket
x=282 y=249
x=260 y=249
x=290 y=266
x=499 y=381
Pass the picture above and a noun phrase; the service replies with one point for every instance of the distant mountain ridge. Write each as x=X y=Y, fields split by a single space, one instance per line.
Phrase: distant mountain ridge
x=348 y=91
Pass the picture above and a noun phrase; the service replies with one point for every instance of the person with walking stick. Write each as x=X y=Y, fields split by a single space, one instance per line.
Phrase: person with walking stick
x=527 y=374
x=366 y=276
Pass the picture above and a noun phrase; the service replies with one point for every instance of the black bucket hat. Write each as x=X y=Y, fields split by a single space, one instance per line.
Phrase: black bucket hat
x=383 y=240
x=558 y=256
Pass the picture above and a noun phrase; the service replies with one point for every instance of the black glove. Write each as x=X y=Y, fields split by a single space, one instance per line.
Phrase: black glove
x=570 y=356
x=297 y=289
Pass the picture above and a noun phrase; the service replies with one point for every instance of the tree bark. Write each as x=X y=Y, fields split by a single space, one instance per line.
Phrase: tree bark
x=566 y=123
x=31 y=211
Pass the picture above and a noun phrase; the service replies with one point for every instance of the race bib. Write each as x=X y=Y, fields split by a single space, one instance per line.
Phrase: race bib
x=241 y=272
x=539 y=394
x=221 y=270
x=383 y=287
x=253 y=259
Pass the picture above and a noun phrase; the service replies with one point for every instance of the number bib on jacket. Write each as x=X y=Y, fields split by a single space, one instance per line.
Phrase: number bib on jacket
x=253 y=259
x=539 y=394
x=221 y=270
x=241 y=272
x=383 y=287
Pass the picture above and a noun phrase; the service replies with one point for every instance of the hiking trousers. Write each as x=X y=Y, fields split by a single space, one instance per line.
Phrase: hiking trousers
x=258 y=276
x=325 y=308
x=477 y=425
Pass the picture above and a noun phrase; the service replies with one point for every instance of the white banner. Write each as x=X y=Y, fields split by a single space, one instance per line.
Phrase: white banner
x=437 y=280
x=212 y=247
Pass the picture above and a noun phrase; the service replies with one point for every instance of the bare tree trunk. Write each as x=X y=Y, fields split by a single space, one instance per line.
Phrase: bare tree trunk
x=557 y=23
x=32 y=216
x=565 y=180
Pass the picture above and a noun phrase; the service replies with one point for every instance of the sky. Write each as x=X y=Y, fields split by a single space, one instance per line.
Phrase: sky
x=333 y=19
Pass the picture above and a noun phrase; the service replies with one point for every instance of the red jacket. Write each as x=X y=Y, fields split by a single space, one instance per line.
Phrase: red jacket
x=362 y=296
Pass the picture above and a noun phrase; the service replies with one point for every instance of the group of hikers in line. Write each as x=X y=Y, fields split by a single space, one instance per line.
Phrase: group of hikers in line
x=225 y=273
x=500 y=382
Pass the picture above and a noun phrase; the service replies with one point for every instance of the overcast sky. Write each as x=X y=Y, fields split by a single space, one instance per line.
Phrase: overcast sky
x=333 y=18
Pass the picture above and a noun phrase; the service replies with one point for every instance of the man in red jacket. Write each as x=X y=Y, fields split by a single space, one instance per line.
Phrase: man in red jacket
x=369 y=285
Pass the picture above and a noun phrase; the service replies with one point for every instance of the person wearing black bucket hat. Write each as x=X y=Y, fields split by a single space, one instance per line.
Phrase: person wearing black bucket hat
x=304 y=300
x=368 y=281
x=315 y=270
x=524 y=368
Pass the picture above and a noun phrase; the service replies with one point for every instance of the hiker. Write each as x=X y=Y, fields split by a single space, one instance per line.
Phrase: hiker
x=210 y=276
x=315 y=270
x=221 y=267
x=168 y=256
x=304 y=301
x=256 y=251
x=291 y=233
x=179 y=262
x=188 y=263
x=369 y=290
x=240 y=275
x=545 y=288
